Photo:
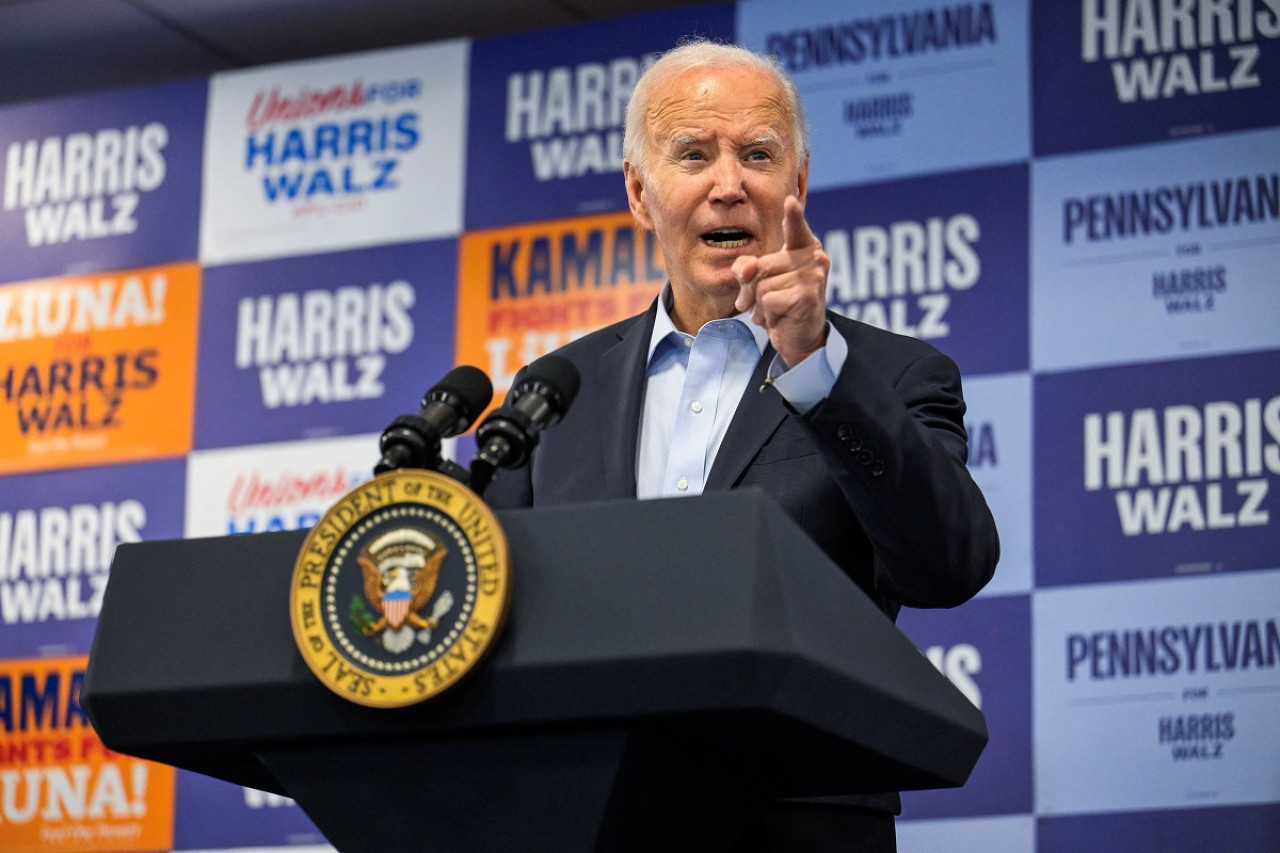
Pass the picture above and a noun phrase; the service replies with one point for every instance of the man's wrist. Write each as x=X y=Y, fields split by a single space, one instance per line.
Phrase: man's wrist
x=809 y=382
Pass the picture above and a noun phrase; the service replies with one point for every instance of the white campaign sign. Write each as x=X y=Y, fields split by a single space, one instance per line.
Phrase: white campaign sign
x=335 y=154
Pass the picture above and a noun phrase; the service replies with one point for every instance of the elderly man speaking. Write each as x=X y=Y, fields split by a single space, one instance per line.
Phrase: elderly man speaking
x=737 y=375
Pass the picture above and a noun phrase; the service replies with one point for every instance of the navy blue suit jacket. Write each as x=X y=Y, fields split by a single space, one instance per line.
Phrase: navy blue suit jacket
x=875 y=473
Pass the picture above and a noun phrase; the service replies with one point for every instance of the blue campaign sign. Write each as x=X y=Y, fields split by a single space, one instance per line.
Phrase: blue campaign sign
x=546 y=113
x=1004 y=834
x=1236 y=828
x=998 y=421
x=897 y=88
x=322 y=345
x=1157 y=694
x=1120 y=72
x=58 y=533
x=984 y=648
x=101 y=182
x=1157 y=470
x=211 y=814
x=1154 y=252
x=942 y=258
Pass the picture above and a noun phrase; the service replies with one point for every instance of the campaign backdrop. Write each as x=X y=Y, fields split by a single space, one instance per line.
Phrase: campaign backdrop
x=216 y=294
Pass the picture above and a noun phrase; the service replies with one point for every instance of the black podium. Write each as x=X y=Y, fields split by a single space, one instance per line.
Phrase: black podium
x=667 y=666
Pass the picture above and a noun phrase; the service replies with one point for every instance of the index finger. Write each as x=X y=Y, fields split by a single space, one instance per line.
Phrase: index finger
x=795 y=229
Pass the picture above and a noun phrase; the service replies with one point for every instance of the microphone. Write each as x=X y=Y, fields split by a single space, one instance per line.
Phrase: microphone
x=456 y=400
x=447 y=409
x=537 y=402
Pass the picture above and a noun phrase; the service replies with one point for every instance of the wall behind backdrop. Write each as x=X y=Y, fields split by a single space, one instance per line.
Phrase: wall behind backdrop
x=215 y=294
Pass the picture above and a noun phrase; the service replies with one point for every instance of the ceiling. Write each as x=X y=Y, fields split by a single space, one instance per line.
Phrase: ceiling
x=50 y=48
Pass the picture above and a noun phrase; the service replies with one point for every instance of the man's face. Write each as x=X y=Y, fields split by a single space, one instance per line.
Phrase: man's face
x=721 y=163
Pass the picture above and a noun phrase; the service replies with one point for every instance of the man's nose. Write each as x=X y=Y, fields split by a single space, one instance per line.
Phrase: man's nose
x=727 y=180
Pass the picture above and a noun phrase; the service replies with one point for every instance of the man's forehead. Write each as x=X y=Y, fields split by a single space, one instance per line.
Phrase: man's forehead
x=696 y=103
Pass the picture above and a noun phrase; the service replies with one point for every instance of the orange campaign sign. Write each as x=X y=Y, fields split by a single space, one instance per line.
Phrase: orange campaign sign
x=526 y=290
x=98 y=369
x=60 y=788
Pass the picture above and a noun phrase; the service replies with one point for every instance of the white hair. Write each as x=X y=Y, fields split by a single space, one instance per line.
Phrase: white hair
x=703 y=53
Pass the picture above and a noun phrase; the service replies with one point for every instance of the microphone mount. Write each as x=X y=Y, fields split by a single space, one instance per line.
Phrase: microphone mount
x=410 y=442
x=447 y=409
x=509 y=434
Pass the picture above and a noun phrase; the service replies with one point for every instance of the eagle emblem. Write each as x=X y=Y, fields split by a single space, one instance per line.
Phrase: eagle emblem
x=400 y=570
x=390 y=584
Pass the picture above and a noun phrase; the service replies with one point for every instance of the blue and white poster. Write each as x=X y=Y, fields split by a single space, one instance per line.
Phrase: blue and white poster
x=334 y=154
x=58 y=534
x=1166 y=251
x=212 y=814
x=894 y=89
x=285 y=485
x=984 y=649
x=942 y=258
x=1175 y=681
x=100 y=182
x=1122 y=72
x=1008 y=834
x=547 y=109
x=1212 y=827
x=322 y=345
x=998 y=421
x=1158 y=470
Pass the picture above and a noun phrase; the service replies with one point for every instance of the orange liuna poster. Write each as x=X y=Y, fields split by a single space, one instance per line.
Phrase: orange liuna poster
x=98 y=369
x=61 y=790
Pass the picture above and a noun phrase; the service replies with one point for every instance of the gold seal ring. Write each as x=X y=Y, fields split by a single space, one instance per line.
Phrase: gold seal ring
x=401 y=589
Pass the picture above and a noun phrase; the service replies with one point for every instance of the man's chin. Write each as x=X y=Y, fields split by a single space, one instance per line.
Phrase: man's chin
x=720 y=285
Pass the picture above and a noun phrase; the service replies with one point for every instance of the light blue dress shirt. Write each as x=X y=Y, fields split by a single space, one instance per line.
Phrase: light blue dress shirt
x=694 y=386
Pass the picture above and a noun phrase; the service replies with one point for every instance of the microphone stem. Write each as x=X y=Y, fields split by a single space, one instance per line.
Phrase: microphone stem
x=485 y=465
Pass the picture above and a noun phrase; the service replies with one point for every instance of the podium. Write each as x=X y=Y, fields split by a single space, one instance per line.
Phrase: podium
x=667 y=667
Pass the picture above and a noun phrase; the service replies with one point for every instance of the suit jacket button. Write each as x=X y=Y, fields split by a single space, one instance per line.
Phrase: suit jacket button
x=863 y=457
x=876 y=469
x=844 y=432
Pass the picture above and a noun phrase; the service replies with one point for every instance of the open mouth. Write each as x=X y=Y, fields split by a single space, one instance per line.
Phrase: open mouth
x=726 y=238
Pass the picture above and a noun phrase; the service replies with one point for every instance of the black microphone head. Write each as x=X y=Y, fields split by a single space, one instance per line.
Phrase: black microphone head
x=539 y=399
x=553 y=376
x=467 y=389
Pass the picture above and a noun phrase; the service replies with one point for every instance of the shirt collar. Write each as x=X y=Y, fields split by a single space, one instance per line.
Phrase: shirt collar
x=664 y=329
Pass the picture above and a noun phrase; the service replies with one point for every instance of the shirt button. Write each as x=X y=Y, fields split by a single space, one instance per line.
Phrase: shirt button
x=688 y=343
x=682 y=484
x=695 y=406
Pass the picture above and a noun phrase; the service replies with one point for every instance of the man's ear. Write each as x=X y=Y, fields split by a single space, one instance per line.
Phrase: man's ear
x=802 y=181
x=636 y=196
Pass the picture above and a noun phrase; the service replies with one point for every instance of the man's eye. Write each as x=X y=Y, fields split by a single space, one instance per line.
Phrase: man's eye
x=760 y=156
x=692 y=155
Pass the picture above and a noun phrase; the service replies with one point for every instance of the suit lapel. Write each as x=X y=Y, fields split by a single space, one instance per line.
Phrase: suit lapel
x=758 y=416
x=622 y=369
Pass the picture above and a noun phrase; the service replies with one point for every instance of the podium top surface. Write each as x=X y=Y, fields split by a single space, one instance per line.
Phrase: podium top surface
x=622 y=612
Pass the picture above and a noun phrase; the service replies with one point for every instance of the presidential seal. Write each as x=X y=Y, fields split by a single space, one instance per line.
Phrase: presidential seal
x=401 y=589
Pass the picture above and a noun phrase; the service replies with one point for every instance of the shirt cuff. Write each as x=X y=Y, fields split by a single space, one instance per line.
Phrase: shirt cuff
x=809 y=382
